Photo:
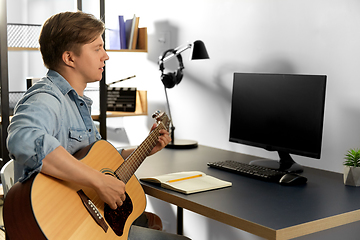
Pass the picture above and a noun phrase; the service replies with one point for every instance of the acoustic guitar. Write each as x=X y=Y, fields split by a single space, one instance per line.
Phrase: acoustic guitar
x=44 y=207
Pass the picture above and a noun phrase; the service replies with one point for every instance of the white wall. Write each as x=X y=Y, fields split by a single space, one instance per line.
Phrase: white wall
x=305 y=37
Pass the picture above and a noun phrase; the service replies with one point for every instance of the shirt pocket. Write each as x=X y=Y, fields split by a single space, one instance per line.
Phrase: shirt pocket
x=78 y=139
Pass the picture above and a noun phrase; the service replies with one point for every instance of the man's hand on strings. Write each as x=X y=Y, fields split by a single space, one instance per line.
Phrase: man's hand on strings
x=163 y=139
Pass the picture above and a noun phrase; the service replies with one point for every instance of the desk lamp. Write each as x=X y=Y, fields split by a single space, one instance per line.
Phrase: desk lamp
x=173 y=78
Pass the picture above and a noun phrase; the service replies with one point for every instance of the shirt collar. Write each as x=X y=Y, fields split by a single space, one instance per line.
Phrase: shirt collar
x=59 y=81
x=64 y=86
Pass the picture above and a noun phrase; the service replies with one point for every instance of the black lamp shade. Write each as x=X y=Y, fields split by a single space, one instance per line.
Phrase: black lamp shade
x=199 y=51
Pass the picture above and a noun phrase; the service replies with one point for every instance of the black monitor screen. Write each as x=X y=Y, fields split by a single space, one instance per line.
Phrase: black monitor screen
x=279 y=112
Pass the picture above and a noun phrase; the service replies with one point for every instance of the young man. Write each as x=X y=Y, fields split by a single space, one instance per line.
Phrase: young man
x=53 y=120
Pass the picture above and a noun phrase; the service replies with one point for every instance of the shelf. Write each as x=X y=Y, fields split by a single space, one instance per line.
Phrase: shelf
x=140 y=109
x=37 y=49
x=22 y=49
x=127 y=50
x=142 y=44
x=23 y=36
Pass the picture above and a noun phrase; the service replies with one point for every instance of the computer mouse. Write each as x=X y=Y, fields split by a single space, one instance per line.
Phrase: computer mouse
x=291 y=179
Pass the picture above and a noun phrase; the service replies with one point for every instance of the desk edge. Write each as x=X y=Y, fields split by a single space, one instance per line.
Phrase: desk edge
x=231 y=220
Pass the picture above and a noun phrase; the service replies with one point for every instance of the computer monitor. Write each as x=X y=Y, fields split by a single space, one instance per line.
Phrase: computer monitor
x=279 y=112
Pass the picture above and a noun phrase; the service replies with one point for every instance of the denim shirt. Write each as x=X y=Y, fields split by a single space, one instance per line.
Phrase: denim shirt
x=49 y=114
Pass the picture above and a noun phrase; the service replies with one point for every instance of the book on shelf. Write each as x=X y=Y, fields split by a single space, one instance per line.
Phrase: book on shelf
x=127 y=34
x=114 y=39
x=122 y=32
x=188 y=182
x=142 y=39
x=130 y=25
x=135 y=33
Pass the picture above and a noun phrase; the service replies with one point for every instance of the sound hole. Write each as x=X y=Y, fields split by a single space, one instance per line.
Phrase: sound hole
x=117 y=218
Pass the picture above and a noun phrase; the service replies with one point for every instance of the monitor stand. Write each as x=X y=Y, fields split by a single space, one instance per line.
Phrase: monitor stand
x=286 y=163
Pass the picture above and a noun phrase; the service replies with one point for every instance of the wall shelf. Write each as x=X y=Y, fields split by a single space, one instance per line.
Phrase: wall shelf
x=128 y=50
x=22 y=49
x=37 y=49
x=142 y=43
x=140 y=109
x=23 y=37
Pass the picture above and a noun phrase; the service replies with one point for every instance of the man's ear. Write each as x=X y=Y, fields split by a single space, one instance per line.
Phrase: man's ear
x=68 y=58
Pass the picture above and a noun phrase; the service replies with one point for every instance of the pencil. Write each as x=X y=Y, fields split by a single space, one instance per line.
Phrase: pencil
x=184 y=178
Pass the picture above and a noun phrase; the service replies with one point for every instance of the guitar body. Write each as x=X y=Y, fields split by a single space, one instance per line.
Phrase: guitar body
x=44 y=207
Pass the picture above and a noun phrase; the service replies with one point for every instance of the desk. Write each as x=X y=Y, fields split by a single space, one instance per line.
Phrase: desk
x=266 y=209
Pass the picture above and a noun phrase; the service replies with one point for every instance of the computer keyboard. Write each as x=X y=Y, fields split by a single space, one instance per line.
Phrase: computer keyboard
x=254 y=171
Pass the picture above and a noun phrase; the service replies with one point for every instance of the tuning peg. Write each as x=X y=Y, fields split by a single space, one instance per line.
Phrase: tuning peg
x=156 y=113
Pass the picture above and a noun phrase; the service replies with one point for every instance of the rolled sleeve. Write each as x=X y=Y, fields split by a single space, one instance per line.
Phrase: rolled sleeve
x=30 y=137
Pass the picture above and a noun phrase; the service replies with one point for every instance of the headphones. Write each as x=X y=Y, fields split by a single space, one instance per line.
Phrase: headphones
x=171 y=79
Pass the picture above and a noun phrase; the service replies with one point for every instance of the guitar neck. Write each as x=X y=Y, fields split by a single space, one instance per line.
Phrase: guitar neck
x=133 y=162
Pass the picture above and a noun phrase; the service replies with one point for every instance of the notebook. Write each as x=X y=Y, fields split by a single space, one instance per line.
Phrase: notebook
x=188 y=182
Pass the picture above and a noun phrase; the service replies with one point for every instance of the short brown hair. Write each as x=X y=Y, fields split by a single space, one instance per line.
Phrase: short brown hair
x=67 y=31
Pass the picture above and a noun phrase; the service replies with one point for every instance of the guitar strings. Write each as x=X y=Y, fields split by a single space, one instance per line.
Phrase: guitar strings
x=131 y=164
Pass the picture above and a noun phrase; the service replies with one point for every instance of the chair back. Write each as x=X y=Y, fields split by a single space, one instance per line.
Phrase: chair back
x=7 y=176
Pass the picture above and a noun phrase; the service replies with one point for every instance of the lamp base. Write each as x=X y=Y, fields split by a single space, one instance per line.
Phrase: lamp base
x=182 y=144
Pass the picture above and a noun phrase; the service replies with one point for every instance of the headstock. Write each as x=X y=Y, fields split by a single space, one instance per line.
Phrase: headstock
x=161 y=117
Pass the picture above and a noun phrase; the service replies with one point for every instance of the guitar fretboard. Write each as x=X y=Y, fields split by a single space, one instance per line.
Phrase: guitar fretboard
x=132 y=163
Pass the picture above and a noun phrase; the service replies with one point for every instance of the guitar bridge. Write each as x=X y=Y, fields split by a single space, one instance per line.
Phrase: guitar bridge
x=92 y=209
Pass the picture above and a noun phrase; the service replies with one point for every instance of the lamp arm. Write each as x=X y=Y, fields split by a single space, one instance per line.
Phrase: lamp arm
x=178 y=50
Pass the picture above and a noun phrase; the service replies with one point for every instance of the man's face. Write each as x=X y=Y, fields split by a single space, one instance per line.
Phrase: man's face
x=90 y=64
